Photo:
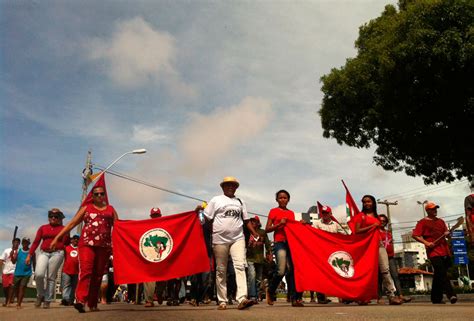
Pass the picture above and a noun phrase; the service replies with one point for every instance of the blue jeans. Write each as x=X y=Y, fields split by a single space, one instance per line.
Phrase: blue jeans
x=47 y=266
x=69 y=283
x=284 y=266
x=254 y=278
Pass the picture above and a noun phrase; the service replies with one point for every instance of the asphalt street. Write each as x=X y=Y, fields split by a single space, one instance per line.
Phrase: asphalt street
x=463 y=310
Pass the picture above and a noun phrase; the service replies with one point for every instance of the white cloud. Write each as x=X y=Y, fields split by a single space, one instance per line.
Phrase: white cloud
x=209 y=139
x=136 y=54
x=143 y=134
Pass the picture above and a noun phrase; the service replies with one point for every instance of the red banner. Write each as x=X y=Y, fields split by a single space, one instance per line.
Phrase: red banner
x=345 y=266
x=159 y=249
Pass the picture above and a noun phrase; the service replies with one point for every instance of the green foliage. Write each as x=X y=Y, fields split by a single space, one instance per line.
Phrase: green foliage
x=153 y=240
x=409 y=90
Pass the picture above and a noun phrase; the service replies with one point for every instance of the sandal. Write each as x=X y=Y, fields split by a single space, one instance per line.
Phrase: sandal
x=222 y=306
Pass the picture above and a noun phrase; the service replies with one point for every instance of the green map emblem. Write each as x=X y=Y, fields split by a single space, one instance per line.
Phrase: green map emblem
x=155 y=245
x=342 y=263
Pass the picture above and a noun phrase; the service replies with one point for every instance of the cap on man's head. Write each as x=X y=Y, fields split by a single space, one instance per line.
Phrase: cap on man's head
x=255 y=218
x=230 y=179
x=326 y=209
x=25 y=239
x=430 y=206
x=75 y=237
x=155 y=211
x=56 y=211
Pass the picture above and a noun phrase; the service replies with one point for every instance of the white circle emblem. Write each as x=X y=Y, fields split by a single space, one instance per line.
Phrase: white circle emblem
x=342 y=263
x=73 y=253
x=155 y=245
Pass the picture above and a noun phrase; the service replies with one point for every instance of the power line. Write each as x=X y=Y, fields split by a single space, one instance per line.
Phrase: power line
x=423 y=189
x=142 y=182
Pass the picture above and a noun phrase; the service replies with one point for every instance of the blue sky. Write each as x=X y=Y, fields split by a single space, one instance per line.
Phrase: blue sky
x=210 y=89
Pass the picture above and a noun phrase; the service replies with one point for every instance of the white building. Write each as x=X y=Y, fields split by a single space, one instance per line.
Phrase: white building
x=413 y=253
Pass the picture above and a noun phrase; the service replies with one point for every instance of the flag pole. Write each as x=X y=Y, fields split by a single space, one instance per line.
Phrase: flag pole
x=86 y=173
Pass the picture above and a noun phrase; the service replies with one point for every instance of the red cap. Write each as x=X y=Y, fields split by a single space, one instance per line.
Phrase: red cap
x=326 y=209
x=430 y=206
x=155 y=211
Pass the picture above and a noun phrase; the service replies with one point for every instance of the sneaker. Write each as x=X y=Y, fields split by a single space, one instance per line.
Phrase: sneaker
x=222 y=306
x=269 y=297
x=38 y=302
x=245 y=304
x=148 y=304
x=297 y=303
x=453 y=299
x=79 y=307
x=46 y=305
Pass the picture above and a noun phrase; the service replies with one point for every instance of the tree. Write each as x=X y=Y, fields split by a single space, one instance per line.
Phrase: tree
x=409 y=90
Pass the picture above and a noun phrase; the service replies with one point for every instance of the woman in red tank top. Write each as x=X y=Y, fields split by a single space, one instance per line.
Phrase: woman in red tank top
x=94 y=246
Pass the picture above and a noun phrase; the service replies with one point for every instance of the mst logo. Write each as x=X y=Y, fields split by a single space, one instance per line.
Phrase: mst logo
x=155 y=245
x=342 y=263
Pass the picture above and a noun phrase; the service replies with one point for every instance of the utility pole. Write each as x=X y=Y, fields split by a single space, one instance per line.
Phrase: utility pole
x=86 y=173
x=387 y=203
x=422 y=206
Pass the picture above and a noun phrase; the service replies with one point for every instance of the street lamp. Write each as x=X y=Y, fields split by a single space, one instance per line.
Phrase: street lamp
x=423 y=206
x=135 y=151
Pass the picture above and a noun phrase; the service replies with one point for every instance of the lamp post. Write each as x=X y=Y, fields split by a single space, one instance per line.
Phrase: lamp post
x=135 y=151
x=89 y=158
x=423 y=206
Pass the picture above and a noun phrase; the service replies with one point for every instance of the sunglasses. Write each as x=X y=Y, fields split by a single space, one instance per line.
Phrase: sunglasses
x=54 y=216
x=99 y=194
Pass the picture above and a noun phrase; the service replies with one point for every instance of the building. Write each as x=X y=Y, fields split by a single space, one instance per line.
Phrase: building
x=412 y=254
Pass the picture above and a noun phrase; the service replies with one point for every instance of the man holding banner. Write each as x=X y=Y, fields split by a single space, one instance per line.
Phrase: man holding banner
x=228 y=215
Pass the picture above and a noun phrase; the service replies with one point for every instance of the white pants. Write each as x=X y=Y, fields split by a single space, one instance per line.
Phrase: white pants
x=236 y=251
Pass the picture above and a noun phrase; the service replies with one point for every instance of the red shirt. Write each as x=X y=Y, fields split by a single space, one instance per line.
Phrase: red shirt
x=276 y=214
x=364 y=220
x=97 y=230
x=430 y=230
x=47 y=233
x=387 y=241
x=71 y=260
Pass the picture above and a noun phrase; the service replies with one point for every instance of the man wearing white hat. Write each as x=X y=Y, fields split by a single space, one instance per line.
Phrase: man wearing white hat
x=228 y=215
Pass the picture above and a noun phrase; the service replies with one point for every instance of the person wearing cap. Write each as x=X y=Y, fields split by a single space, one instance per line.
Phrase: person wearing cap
x=326 y=223
x=149 y=287
x=256 y=258
x=70 y=272
x=23 y=271
x=8 y=271
x=228 y=215
x=432 y=232
x=48 y=260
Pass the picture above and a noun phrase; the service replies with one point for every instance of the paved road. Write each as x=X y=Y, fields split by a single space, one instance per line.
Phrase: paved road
x=262 y=312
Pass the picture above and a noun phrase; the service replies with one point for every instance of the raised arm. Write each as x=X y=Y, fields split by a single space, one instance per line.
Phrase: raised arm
x=72 y=224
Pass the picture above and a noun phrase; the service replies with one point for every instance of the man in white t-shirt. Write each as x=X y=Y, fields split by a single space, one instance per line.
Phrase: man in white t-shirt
x=8 y=271
x=228 y=215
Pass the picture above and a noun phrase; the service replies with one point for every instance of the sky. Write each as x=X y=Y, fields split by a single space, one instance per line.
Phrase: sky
x=209 y=88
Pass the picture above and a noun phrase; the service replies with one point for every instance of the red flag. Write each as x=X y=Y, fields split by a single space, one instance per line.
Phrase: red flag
x=100 y=183
x=345 y=266
x=351 y=208
x=320 y=209
x=159 y=249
